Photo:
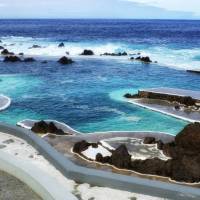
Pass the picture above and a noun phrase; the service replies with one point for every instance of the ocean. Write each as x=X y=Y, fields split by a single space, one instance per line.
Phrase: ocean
x=87 y=95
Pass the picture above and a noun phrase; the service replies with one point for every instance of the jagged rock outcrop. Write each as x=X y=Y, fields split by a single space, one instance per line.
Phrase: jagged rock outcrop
x=149 y=140
x=6 y=52
x=61 y=44
x=87 y=52
x=145 y=59
x=43 y=127
x=40 y=127
x=12 y=59
x=183 y=164
x=184 y=151
x=120 y=157
x=65 y=61
x=189 y=137
x=184 y=100
x=81 y=146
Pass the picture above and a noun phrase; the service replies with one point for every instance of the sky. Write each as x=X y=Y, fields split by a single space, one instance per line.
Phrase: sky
x=142 y=9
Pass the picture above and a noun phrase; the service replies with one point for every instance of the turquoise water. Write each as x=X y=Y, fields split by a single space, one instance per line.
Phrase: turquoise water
x=88 y=95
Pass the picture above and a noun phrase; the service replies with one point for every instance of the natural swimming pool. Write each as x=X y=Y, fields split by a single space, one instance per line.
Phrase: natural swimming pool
x=87 y=94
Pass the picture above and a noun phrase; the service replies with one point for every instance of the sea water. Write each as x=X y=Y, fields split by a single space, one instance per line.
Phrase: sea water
x=88 y=95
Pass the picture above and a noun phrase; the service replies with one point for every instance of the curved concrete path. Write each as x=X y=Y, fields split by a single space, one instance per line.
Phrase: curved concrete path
x=45 y=186
x=102 y=178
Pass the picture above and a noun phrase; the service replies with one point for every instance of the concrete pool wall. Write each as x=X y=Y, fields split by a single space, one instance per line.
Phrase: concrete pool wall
x=40 y=182
x=102 y=178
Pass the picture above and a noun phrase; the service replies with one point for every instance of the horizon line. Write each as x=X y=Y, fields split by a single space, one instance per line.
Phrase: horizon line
x=84 y=18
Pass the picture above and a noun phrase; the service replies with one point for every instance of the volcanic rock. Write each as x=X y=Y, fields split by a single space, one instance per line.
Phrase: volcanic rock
x=87 y=52
x=65 y=61
x=129 y=96
x=35 y=46
x=52 y=128
x=6 y=52
x=144 y=59
x=120 y=157
x=61 y=44
x=177 y=107
x=12 y=59
x=189 y=138
x=115 y=54
x=80 y=146
x=43 y=127
x=160 y=144
x=40 y=127
x=149 y=140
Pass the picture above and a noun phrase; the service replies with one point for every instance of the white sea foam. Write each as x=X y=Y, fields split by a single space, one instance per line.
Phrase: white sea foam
x=176 y=58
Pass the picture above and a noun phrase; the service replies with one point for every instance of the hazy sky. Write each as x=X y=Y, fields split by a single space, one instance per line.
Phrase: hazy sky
x=184 y=9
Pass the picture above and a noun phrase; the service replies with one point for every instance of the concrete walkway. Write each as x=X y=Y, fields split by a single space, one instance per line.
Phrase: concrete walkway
x=38 y=180
x=102 y=178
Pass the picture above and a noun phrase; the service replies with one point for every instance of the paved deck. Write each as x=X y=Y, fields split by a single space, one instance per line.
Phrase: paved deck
x=174 y=91
x=13 y=188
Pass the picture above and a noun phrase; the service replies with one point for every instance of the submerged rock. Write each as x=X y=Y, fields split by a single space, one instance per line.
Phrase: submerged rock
x=12 y=59
x=65 y=61
x=1 y=47
x=21 y=54
x=61 y=44
x=87 y=52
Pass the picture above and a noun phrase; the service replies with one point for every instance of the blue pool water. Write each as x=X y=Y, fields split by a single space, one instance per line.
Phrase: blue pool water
x=87 y=95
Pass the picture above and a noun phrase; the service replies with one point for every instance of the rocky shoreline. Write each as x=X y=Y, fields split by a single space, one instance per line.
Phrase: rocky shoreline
x=182 y=166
